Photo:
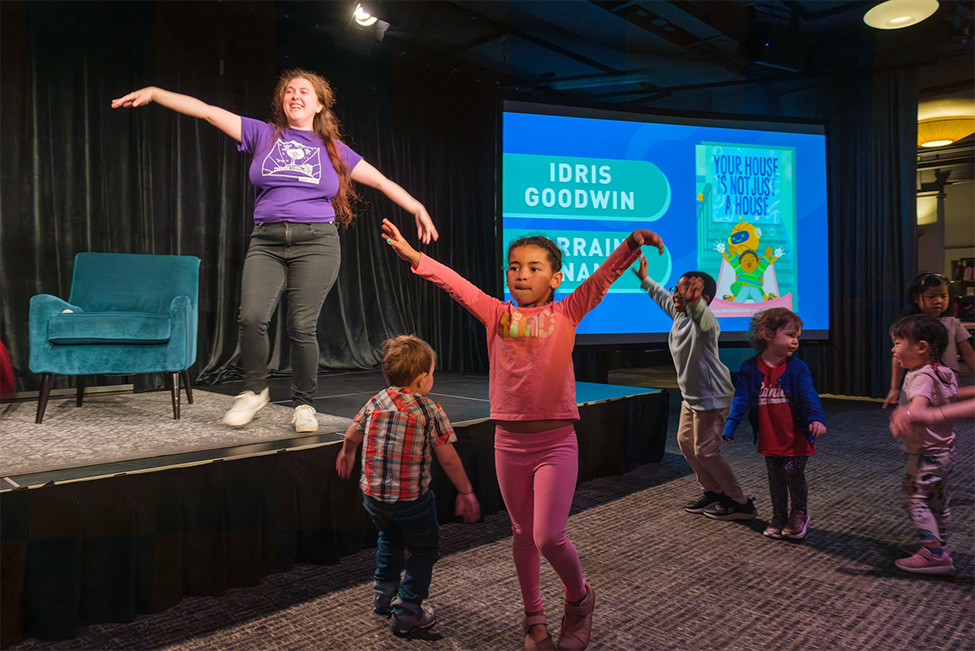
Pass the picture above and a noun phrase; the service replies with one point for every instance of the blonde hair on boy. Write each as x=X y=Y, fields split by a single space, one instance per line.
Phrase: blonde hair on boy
x=771 y=320
x=406 y=358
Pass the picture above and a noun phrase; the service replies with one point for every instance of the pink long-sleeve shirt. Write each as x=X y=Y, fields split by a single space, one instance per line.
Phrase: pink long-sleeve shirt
x=530 y=348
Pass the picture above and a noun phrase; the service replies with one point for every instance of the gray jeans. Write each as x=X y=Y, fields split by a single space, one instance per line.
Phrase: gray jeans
x=301 y=261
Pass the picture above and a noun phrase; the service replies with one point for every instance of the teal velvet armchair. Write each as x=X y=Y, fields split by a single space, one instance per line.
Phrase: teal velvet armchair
x=127 y=314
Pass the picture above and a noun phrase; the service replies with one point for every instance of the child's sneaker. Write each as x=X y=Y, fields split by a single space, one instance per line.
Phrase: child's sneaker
x=577 y=623
x=544 y=644
x=927 y=562
x=774 y=529
x=797 y=525
x=728 y=509
x=383 y=593
x=707 y=499
x=410 y=618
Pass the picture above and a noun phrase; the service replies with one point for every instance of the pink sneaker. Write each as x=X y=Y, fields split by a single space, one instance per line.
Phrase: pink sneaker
x=577 y=623
x=926 y=562
x=797 y=526
x=545 y=644
x=774 y=529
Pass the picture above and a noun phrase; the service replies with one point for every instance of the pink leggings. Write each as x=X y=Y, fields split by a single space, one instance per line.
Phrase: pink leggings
x=537 y=476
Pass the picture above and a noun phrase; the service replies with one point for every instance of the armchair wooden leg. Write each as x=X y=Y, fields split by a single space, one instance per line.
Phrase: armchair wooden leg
x=81 y=390
x=173 y=381
x=189 y=386
x=47 y=381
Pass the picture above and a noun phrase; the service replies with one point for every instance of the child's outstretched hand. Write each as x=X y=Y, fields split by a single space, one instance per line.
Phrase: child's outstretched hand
x=641 y=269
x=468 y=506
x=396 y=240
x=817 y=428
x=729 y=439
x=641 y=236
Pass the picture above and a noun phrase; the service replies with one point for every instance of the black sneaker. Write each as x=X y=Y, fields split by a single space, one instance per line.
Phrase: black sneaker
x=410 y=618
x=707 y=498
x=728 y=509
x=381 y=604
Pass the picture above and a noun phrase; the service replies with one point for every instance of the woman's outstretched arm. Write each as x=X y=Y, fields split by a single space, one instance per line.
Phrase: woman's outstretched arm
x=222 y=119
x=366 y=174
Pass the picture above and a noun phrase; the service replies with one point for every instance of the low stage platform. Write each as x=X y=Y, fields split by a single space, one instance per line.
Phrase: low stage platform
x=115 y=510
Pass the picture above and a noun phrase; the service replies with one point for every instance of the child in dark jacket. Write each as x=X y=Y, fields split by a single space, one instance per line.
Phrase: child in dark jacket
x=776 y=391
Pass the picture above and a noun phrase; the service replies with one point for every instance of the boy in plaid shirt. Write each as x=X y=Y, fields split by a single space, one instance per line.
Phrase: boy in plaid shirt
x=400 y=427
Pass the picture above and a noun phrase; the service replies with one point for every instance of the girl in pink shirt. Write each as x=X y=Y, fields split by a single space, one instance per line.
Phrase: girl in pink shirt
x=532 y=393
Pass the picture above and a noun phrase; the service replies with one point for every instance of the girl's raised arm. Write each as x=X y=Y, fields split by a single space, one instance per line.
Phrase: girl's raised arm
x=222 y=119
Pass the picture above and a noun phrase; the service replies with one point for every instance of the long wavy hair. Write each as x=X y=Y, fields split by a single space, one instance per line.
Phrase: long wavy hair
x=328 y=128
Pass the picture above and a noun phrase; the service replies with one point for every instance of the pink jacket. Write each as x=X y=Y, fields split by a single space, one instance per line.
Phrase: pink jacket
x=530 y=349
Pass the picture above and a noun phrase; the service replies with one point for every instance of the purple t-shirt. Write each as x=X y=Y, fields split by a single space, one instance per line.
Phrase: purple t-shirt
x=294 y=178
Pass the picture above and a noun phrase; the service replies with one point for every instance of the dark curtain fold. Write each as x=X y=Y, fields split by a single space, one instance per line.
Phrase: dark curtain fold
x=80 y=176
x=872 y=155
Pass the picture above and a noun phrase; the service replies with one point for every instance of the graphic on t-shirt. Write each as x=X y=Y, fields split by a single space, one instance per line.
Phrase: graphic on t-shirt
x=293 y=160
x=515 y=324
x=771 y=395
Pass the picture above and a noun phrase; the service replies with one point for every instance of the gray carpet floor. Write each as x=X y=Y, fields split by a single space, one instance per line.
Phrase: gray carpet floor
x=664 y=579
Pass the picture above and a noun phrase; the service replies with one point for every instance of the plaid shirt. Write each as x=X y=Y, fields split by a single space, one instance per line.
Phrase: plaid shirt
x=399 y=429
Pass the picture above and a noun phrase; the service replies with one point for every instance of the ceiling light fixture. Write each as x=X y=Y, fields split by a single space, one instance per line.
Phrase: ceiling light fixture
x=897 y=14
x=941 y=131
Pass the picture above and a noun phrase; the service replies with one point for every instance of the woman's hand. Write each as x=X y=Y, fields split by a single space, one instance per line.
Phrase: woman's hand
x=641 y=269
x=425 y=230
x=641 y=236
x=396 y=240
x=136 y=98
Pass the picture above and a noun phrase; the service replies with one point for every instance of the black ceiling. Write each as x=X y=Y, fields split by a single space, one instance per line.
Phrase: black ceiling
x=641 y=54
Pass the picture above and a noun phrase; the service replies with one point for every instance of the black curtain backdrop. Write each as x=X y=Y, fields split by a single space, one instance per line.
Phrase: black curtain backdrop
x=79 y=176
x=872 y=157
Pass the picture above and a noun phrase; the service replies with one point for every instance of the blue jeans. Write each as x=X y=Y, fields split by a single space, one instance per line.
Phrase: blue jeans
x=406 y=526
x=302 y=262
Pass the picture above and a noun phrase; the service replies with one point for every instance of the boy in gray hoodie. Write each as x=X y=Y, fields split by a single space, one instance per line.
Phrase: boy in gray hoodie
x=706 y=389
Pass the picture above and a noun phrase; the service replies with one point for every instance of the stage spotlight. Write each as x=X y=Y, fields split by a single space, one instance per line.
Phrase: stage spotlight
x=363 y=18
x=367 y=22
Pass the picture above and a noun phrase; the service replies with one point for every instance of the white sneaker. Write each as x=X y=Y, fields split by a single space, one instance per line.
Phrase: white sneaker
x=304 y=419
x=245 y=406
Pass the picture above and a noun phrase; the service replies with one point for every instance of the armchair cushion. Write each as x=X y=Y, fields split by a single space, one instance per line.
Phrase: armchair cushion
x=108 y=328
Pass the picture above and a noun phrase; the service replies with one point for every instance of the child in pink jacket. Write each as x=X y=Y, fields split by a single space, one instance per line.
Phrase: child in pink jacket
x=532 y=393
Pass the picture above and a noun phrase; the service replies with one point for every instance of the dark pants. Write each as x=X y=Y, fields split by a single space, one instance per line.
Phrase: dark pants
x=302 y=262
x=787 y=484
x=406 y=526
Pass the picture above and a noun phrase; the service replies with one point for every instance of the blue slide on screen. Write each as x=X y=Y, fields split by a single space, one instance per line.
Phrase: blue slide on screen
x=744 y=202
